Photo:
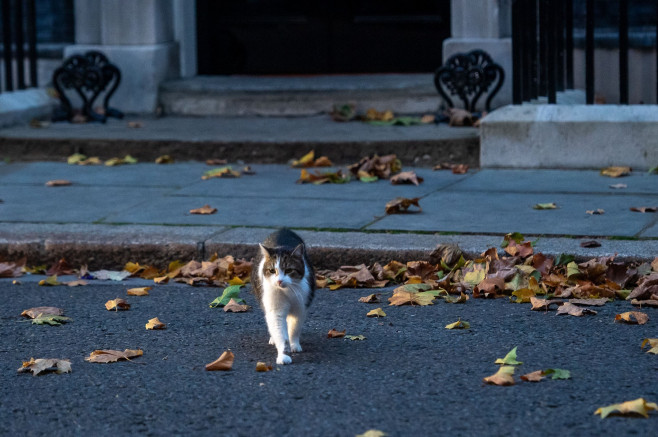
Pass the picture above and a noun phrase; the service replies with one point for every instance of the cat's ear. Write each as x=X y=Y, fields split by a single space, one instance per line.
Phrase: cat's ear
x=265 y=251
x=298 y=251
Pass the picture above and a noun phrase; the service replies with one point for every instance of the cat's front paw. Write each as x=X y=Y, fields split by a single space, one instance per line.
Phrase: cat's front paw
x=295 y=347
x=272 y=342
x=283 y=359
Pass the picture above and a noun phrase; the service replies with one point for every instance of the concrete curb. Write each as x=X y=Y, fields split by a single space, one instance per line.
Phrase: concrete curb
x=110 y=247
x=21 y=106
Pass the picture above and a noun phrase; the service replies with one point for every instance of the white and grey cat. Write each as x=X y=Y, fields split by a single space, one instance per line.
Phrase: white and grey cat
x=283 y=281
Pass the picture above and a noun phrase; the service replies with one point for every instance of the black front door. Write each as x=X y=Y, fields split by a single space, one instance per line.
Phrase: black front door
x=314 y=37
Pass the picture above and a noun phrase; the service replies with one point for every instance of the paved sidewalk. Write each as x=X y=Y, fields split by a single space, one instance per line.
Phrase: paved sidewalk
x=110 y=215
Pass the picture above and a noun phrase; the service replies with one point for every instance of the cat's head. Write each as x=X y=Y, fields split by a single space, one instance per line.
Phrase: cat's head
x=283 y=267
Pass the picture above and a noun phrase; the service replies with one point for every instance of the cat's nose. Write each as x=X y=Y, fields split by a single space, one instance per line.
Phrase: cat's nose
x=279 y=283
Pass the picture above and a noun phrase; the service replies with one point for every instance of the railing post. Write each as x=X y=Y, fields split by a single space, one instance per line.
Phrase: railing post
x=31 y=29
x=558 y=26
x=551 y=56
x=517 y=74
x=6 y=42
x=589 y=53
x=623 y=52
x=534 y=63
x=568 y=19
x=18 y=43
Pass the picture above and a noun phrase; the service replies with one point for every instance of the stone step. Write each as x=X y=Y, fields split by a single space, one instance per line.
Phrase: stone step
x=284 y=96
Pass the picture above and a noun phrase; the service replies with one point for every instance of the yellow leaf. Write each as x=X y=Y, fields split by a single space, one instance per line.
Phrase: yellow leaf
x=653 y=343
x=615 y=172
x=377 y=312
x=224 y=362
x=139 y=291
x=155 y=323
x=58 y=183
x=372 y=433
x=161 y=279
x=262 y=367
x=304 y=160
x=459 y=324
x=164 y=159
x=638 y=407
x=236 y=281
x=402 y=297
x=510 y=358
x=117 y=304
x=205 y=210
x=504 y=376
x=50 y=280
x=632 y=318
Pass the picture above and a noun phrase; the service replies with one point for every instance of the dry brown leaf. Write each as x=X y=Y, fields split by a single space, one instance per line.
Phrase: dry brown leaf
x=535 y=376
x=574 y=310
x=35 y=312
x=590 y=244
x=224 y=362
x=400 y=205
x=504 y=376
x=45 y=365
x=646 y=288
x=155 y=323
x=406 y=177
x=459 y=169
x=135 y=124
x=539 y=304
x=164 y=159
x=205 y=209
x=380 y=166
x=371 y=298
x=403 y=297
x=523 y=250
x=646 y=303
x=216 y=161
x=644 y=209
x=615 y=172
x=262 y=367
x=459 y=117
x=110 y=356
x=235 y=307
x=139 y=291
x=336 y=334
x=590 y=302
x=117 y=304
x=632 y=318
x=76 y=283
x=161 y=280
x=58 y=183
x=61 y=267
x=12 y=269
x=652 y=343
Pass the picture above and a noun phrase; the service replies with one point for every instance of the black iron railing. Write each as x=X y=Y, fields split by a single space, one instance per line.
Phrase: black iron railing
x=18 y=30
x=543 y=44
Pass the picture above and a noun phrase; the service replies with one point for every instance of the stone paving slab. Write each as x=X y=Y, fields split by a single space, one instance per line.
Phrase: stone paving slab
x=478 y=212
x=556 y=181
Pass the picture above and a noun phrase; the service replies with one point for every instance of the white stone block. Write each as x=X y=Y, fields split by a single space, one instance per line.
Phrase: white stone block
x=21 y=106
x=570 y=136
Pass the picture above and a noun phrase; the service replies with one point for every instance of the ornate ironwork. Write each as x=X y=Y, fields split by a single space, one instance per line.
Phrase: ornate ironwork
x=469 y=75
x=89 y=75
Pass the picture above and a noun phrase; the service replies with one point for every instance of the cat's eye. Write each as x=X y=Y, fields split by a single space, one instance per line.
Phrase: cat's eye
x=271 y=271
x=288 y=271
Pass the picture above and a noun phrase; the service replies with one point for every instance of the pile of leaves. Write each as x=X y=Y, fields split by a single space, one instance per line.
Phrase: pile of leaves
x=347 y=112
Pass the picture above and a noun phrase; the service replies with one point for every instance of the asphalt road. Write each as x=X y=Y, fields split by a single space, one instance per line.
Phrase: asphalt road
x=409 y=377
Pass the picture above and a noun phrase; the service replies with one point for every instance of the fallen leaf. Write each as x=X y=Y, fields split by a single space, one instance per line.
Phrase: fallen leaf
x=344 y=112
x=535 y=376
x=427 y=118
x=595 y=211
x=164 y=159
x=318 y=178
x=381 y=166
x=371 y=298
x=76 y=283
x=155 y=323
x=50 y=281
x=510 y=358
x=504 y=376
x=539 y=304
x=309 y=160
x=205 y=209
x=459 y=117
x=374 y=115
x=229 y=293
x=638 y=407
x=12 y=269
x=558 y=373
x=224 y=362
x=234 y=307
x=135 y=124
x=590 y=302
x=139 y=291
x=45 y=311
x=644 y=209
x=653 y=345
x=550 y=205
x=459 y=324
x=61 y=267
x=459 y=169
x=573 y=310
x=377 y=312
x=248 y=170
x=406 y=177
x=355 y=337
x=618 y=186
x=117 y=304
x=120 y=161
x=161 y=279
x=462 y=298
x=45 y=365
x=615 y=172
x=216 y=161
x=523 y=250
x=632 y=318
x=590 y=244
x=262 y=367
x=49 y=319
x=58 y=183
x=401 y=296
x=400 y=205
x=221 y=172
x=335 y=334
x=111 y=356
x=372 y=433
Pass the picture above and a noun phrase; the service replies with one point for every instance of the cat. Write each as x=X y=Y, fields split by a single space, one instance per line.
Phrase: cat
x=283 y=281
